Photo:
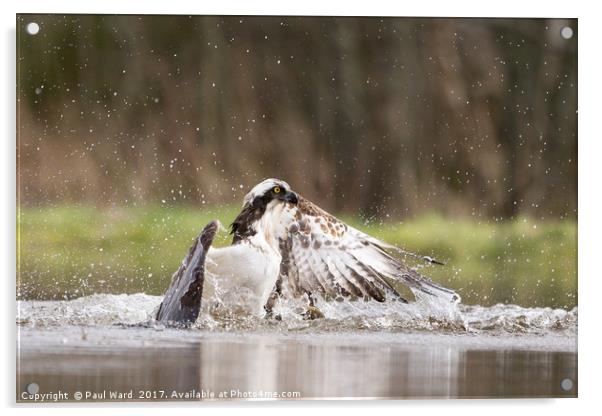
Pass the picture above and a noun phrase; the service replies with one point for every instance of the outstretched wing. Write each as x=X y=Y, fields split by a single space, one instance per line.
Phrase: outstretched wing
x=324 y=255
x=182 y=301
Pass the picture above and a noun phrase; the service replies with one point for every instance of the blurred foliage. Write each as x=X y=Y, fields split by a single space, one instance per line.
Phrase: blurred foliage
x=377 y=116
x=134 y=131
x=72 y=251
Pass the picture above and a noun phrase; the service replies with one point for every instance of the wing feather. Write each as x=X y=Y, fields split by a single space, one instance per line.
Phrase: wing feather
x=346 y=287
x=323 y=275
x=308 y=281
x=364 y=286
x=331 y=258
x=317 y=279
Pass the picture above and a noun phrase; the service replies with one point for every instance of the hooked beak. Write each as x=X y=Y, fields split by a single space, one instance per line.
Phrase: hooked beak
x=291 y=197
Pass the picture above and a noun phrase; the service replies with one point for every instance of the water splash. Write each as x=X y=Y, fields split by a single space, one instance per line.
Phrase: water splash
x=102 y=309
x=109 y=310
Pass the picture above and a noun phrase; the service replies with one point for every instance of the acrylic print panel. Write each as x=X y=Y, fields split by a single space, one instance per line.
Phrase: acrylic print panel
x=445 y=150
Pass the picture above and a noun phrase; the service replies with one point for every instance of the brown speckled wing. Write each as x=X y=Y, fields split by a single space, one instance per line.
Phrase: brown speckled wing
x=320 y=258
x=327 y=257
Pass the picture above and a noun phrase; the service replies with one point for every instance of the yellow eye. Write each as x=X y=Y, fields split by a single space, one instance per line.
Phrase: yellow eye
x=276 y=189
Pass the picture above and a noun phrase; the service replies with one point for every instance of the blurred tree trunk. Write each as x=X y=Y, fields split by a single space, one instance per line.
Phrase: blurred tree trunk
x=379 y=116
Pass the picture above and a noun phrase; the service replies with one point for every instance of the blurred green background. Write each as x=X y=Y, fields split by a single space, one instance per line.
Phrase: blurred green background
x=455 y=138
x=75 y=251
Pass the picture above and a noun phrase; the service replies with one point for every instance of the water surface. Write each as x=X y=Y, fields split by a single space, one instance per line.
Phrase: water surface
x=364 y=350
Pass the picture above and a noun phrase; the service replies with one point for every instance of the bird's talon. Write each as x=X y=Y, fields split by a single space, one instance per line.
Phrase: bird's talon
x=312 y=313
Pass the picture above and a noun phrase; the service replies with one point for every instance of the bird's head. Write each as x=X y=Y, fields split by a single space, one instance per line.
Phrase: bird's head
x=266 y=209
x=268 y=191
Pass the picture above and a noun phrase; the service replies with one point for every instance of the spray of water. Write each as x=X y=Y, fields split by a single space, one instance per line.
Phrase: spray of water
x=426 y=314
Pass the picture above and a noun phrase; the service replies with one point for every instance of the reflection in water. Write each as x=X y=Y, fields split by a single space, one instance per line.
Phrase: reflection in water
x=316 y=370
x=517 y=373
x=333 y=371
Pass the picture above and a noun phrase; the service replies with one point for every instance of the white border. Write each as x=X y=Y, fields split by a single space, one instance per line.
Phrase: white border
x=465 y=8
x=590 y=152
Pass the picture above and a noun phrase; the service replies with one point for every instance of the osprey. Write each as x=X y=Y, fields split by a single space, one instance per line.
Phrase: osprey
x=285 y=246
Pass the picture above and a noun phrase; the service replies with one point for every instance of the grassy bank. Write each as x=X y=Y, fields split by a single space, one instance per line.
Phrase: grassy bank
x=75 y=251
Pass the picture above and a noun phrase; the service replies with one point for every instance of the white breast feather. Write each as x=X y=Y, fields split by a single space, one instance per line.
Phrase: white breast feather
x=252 y=265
